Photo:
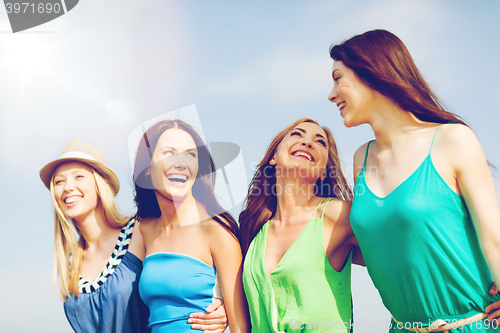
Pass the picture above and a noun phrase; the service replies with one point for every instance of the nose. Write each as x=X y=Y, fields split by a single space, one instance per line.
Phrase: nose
x=333 y=95
x=69 y=185
x=180 y=162
x=307 y=143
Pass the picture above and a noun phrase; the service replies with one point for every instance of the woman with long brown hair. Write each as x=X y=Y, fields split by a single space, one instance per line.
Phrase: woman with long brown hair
x=424 y=211
x=296 y=235
x=188 y=238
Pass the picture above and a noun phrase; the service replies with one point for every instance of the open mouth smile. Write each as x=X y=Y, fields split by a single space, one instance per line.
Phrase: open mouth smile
x=72 y=199
x=341 y=106
x=304 y=154
x=177 y=179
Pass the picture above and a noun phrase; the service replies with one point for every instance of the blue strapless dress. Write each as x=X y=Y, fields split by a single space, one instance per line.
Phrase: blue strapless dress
x=173 y=286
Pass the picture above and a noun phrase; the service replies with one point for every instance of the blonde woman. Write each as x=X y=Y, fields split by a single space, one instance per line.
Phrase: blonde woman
x=99 y=267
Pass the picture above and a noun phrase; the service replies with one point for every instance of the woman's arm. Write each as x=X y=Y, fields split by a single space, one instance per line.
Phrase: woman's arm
x=226 y=253
x=214 y=319
x=476 y=186
x=338 y=236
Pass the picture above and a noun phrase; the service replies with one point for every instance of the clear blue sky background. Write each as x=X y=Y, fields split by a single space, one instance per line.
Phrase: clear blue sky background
x=251 y=68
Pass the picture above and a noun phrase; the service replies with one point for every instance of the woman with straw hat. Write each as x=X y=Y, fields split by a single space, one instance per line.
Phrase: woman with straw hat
x=83 y=187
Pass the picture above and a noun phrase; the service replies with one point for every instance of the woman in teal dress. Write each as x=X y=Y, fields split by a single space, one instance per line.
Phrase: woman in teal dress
x=297 y=238
x=425 y=211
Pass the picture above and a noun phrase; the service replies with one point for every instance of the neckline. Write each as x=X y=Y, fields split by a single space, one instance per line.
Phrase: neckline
x=428 y=157
x=180 y=255
x=119 y=252
x=266 y=226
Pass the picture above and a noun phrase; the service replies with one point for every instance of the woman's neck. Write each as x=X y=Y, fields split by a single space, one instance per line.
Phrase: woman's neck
x=392 y=125
x=180 y=212
x=293 y=195
x=94 y=228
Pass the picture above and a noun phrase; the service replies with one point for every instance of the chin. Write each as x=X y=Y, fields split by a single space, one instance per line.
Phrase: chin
x=350 y=123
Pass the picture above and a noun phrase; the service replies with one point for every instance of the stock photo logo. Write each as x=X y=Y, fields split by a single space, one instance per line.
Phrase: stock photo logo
x=25 y=14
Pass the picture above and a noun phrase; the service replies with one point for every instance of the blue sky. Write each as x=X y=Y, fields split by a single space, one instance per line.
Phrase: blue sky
x=250 y=67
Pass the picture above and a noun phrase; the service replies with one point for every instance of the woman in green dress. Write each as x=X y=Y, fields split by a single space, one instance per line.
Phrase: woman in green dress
x=297 y=236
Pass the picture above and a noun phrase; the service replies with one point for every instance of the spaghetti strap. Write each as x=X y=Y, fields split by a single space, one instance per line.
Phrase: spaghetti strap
x=324 y=208
x=366 y=154
x=319 y=206
x=434 y=137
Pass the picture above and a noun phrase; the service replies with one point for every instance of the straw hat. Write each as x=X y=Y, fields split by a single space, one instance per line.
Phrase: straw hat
x=81 y=151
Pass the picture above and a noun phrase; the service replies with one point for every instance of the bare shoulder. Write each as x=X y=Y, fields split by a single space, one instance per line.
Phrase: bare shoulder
x=458 y=143
x=337 y=212
x=220 y=241
x=214 y=230
x=359 y=158
x=146 y=224
x=456 y=134
x=137 y=243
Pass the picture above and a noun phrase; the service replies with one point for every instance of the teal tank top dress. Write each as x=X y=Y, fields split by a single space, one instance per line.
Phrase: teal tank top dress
x=303 y=293
x=421 y=250
x=174 y=285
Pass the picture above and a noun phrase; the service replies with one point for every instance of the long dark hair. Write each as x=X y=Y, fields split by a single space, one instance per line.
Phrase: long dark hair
x=203 y=187
x=262 y=201
x=381 y=60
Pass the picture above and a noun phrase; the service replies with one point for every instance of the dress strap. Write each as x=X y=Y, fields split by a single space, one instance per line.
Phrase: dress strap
x=324 y=207
x=319 y=206
x=366 y=154
x=434 y=137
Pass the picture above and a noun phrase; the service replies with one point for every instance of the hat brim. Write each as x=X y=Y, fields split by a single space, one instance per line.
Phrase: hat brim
x=107 y=173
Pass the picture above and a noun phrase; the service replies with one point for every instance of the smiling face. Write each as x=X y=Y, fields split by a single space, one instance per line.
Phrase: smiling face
x=75 y=189
x=352 y=96
x=304 y=147
x=174 y=165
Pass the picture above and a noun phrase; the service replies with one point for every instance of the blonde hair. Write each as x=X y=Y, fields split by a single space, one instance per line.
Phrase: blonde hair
x=68 y=247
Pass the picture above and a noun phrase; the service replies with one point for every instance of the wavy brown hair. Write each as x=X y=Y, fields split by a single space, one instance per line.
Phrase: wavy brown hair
x=261 y=201
x=381 y=60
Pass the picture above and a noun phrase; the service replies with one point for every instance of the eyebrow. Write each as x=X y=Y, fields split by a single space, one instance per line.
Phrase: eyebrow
x=188 y=150
x=304 y=131
x=71 y=173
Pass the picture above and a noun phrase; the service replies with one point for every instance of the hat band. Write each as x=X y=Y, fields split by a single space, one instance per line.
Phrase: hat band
x=77 y=154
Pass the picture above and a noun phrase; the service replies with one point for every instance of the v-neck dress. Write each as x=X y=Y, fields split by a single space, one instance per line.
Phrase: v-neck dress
x=421 y=250
x=111 y=302
x=303 y=293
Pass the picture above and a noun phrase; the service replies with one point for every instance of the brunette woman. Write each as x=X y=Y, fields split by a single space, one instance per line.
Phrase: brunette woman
x=188 y=237
x=297 y=236
x=425 y=211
